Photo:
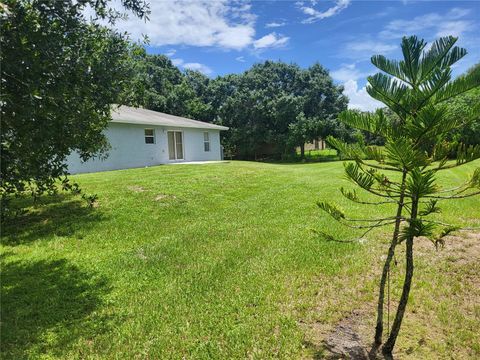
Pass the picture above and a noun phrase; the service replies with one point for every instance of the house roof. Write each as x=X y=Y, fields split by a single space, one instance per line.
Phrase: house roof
x=131 y=115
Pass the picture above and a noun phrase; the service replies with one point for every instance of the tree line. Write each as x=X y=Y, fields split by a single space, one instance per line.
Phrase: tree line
x=271 y=108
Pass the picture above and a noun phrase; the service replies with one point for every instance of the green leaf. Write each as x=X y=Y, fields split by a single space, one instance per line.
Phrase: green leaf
x=348 y=151
x=325 y=236
x=412 y=48
x=417 y=228
x=356 y=174
x=474 y=181
x=391 y=67
x=389 y=91
x=442 y=54
x=349 y=194
x=421 y=183
x=467 y=154
x=332 y=210
x=459 y=86
x=374 y=153
x=401 y=152
x=430 y=208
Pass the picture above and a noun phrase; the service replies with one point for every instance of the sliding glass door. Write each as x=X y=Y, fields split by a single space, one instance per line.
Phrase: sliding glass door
x=175 y=145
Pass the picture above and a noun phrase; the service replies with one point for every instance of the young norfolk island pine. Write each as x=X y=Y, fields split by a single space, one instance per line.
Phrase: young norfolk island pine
x=417 y=89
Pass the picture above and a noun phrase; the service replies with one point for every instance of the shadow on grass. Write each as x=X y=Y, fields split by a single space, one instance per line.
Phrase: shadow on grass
x=47 y=306
x=57 y=215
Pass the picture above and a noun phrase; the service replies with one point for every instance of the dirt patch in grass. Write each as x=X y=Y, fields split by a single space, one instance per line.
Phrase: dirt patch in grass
x=446 y=295
x=460 y=249
x=345 y=340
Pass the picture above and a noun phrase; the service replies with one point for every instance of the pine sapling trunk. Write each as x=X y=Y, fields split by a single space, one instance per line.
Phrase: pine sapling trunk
x=386 y=265
x=390 y=343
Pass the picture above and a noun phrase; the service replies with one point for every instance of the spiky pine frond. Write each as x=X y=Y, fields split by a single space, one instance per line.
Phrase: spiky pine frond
x=442 y=54
x=429 y=87
x=349 y=194
x=325 y=236
x=431 y=123
x=421 y=183
x=417 y=228
x=357 y=175
x=412 y=49
x=430 y=208
x=458 y=86
x=374 y=153
x=439 y=241
x=374 y=123
x=391 y=67
x=402 y=153
x=466 y=154
x=390 y=91
x=347 y=151
x=448 y=230
x=384 y=182
x=332 y=210
x=441 y=152
x=474 y=181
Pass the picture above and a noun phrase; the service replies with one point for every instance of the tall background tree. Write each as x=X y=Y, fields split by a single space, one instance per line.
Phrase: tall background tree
x=276 y=106
x=60 y=74
x=418 y=90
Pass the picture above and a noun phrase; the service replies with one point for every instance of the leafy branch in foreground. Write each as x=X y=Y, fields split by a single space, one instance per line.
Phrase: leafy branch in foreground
x=404 y=173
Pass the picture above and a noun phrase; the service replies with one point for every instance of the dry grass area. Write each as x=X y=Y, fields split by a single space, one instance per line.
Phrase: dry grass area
x=443 y=316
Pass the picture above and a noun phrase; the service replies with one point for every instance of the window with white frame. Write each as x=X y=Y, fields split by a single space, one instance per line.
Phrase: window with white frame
x=206 y=141
x=149 y=136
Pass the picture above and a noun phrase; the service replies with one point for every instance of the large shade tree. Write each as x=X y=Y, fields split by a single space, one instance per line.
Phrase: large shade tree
x=418 y=90
x=60 y=73
x=281 y=105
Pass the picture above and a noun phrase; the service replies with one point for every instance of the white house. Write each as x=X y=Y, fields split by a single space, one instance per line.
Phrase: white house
x=140 y=137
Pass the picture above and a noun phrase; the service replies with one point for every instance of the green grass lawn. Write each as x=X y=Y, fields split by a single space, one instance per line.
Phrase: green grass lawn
x=214 y=261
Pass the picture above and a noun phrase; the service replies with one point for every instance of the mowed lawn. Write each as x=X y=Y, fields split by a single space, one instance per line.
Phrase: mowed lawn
x=216 y=261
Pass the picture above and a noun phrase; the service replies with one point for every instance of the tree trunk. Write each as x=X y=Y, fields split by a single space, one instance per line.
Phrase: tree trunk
x=390 y=343
x=302 y=151
x=386 y=265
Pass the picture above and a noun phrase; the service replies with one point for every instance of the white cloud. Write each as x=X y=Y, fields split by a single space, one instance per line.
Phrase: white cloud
x=454 y=28
x=457 y=13
x=219 y=23
x=198 y=67
x=274 y=24
x=359 y=98
x=315 y=15
x=240 y=58
x=349 y=75
x=372 y=46
x=192 y=66
x=440 y=25
x=177 y=62
x=272 y=40
x=170 y=52
x=348 y=72
x=361 y=50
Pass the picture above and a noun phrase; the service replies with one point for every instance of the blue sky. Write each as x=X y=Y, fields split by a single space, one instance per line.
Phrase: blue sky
x=220 y=37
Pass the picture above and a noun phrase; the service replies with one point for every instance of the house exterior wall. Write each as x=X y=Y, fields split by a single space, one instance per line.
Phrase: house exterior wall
x=129 y=150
